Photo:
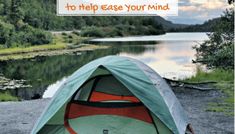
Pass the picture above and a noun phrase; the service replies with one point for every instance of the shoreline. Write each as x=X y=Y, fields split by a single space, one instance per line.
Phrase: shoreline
x=69 y=43
x=62 y=44
x=76 y=50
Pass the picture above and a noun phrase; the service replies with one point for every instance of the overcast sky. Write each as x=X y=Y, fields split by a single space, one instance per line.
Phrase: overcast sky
x=198 y=11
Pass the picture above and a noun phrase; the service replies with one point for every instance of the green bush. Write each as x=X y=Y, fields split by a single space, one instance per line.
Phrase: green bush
x=40 y=37
x=126 y=30
x=28 y=35
x=65 y=34
x=76 y=33
x=70 y=36
x=5 y=31
x=120 y=30
x=111 y=31
x=92 y=32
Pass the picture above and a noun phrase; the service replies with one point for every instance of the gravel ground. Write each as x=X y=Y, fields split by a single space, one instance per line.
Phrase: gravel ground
x=195 y=104
x=19 y=117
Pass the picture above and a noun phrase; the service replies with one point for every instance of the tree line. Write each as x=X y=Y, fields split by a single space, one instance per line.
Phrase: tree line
x=25 y=22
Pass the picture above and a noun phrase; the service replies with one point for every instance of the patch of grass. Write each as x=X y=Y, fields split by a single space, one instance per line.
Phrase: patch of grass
x=214 y=108
x=225 y=83
x=7 y=97
x=70 y=49
x=17 y=56
x=56 y=44
x=217 y=75
x=59 y=42
x=222 y=106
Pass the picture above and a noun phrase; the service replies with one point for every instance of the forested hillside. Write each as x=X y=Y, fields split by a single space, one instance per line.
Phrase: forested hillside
x=207 y=26
x=14 y=30
x=25 y=22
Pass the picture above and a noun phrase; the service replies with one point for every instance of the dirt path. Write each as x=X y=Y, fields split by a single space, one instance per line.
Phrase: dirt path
x=19 y=117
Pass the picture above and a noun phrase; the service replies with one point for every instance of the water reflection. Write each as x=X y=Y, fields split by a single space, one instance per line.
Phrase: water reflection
x=49 y=72
x=171 y=59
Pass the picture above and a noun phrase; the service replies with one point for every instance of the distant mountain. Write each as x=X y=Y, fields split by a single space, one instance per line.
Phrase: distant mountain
x=168 y=25
x=207 y=26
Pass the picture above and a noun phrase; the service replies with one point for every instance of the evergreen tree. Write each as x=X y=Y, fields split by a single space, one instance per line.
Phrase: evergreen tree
x=6 y=7
x=16 y=13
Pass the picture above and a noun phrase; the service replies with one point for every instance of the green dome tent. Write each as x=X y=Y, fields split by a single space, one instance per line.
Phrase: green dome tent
x=113 y=95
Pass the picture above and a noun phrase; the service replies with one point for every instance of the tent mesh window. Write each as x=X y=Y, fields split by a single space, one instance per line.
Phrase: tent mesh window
x=104 y=88
x=103 y=99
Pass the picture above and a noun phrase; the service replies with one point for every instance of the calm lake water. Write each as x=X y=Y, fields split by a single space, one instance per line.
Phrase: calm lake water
x=170 y=55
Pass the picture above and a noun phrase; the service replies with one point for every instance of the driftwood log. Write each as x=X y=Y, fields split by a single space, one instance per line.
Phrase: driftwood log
x=202 y=86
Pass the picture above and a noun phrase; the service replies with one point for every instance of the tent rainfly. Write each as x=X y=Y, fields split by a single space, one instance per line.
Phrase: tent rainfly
x=114 y=95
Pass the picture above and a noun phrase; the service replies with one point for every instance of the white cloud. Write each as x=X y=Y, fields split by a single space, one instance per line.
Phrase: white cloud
x=198 y=11
x=210 y=4
x=199 y=1
x=188 y=8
